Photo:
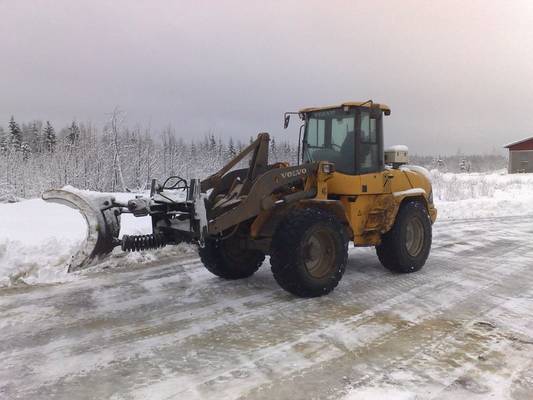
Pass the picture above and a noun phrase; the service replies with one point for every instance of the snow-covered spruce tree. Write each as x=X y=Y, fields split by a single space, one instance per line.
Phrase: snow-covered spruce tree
x=73 y=135
x=231 y=148
x=15 y=138
x=26 y=151
x=35 y=136
x=220 y=148
x=3 y=141
x=50 y=139
x=212 y=142
x=273 y=150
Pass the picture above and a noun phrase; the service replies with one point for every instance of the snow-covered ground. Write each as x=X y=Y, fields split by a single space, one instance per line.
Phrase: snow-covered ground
x=38 y=238
x=482 y=195
x=461 y=329
x=159 y=326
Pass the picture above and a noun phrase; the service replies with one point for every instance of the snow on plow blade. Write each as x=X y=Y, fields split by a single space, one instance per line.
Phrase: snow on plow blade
x=103 y=224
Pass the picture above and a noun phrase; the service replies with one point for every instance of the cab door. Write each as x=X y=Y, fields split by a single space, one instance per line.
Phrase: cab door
x=369 y=152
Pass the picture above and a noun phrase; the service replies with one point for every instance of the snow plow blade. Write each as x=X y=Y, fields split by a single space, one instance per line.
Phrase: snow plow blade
x=103 y=224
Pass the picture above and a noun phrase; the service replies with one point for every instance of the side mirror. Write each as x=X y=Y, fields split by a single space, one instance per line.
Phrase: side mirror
x=286 y=121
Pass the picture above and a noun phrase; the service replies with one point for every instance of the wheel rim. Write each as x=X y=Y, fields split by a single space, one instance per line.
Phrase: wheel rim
x=414 y=234
x=319 y=253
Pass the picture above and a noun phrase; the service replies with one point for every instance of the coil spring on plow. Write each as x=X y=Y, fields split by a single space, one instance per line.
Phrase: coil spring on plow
x=142 y=242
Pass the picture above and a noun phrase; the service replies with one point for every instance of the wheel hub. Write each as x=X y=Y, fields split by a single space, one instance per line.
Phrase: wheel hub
x=319 y=253
x=414 y=237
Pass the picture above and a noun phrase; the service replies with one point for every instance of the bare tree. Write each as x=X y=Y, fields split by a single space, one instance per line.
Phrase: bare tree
x=109 y=160
x=113 y=128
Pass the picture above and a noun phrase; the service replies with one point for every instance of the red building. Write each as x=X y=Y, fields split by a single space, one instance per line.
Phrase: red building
x=521 y=156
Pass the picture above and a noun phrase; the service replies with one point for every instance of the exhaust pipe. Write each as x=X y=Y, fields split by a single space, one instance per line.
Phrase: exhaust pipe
x=102 y=215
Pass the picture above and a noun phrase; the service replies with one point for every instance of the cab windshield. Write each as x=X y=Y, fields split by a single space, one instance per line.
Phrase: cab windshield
x=330 y=136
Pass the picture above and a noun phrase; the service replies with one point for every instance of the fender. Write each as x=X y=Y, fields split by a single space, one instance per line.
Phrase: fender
x=400 y=197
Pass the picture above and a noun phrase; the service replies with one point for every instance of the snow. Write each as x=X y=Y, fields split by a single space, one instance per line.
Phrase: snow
x=396 y=148
x=409 y=192
x=482 y=195
x=372 y=393
x=461 y=328
x=38 y=238
x=418 y=169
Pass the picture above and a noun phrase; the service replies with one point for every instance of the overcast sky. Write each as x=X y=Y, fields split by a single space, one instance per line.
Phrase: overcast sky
x=456 y=74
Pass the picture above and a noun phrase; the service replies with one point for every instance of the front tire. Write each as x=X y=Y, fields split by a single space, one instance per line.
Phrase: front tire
x=224 y=258
x=309 y=252
x=405 y=248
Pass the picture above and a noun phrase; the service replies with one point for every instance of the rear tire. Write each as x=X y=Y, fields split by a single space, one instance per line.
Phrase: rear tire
x=224 y=258
x=309 y=252
x=405 y=248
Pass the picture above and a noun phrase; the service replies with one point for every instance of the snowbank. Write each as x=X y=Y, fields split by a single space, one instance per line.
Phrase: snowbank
x=482 y=195
x=38 y=238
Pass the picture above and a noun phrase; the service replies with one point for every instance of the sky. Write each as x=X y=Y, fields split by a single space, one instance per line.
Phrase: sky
x=457 y=75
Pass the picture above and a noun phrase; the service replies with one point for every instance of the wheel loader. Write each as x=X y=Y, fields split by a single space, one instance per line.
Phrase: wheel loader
x=344 y=188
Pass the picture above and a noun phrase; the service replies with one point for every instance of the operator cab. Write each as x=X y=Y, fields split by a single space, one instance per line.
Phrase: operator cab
x=349 y=135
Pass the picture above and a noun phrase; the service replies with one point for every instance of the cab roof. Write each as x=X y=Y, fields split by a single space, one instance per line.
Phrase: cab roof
x=368 y=104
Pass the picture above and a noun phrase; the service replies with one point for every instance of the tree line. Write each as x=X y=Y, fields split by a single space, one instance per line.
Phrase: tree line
x=35 y=156
x=461 y=163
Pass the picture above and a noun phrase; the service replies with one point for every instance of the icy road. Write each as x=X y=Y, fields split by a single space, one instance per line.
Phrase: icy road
x=462 y=328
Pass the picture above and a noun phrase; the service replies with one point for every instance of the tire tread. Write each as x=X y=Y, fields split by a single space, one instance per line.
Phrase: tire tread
x=390 y=253
x=286 y=265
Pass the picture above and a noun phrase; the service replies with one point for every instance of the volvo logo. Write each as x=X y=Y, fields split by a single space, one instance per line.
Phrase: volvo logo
x=294 y=173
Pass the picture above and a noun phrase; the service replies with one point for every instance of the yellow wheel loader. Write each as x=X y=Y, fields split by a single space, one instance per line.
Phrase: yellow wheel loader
x=344 y=188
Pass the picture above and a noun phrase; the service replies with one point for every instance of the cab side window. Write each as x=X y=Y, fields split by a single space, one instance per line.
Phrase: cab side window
x=369 y=144
x=316 y=133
